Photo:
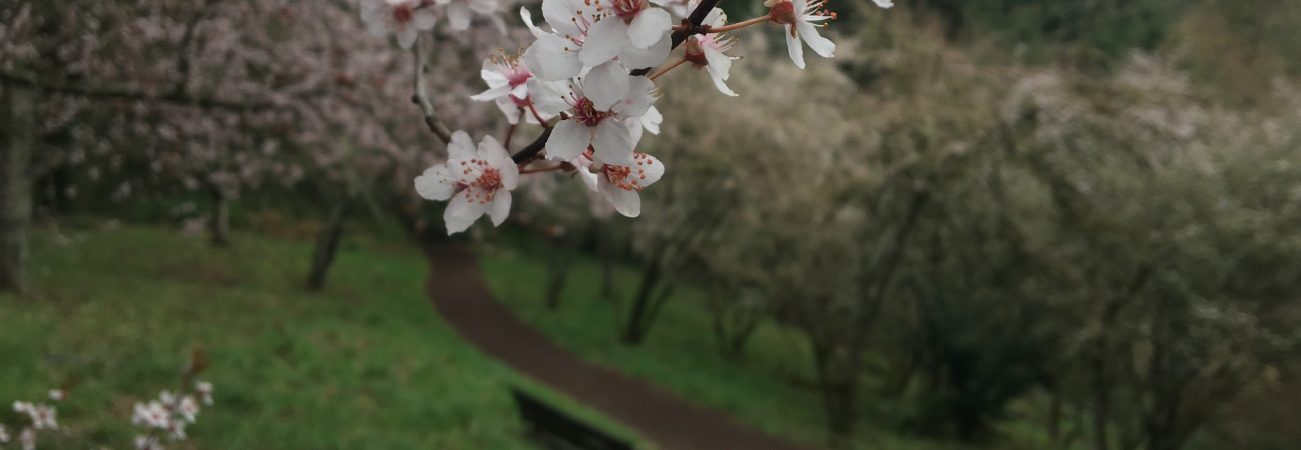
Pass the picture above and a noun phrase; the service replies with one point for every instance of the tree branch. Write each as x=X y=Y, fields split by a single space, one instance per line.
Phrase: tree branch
x=693 y=25
x=115 y=93
x=422 y=96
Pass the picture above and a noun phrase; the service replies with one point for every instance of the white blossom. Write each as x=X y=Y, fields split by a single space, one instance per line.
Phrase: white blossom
x=459 y=11
x=4 y=435
x=402 y=18
x=569 y=48
x=708 y=51
x=509 y=81
x=204 y=389
x=27 y=438
x=56 y=394
x=620 y=185
x=144 y=442
x=477 y=181
x=802 y=19
x=599 y=107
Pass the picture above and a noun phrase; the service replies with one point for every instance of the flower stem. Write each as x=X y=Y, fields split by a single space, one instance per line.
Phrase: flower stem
x=537 y=115
x=739 y=25
x=543 y=169
x=510 y=133
x=666 y=69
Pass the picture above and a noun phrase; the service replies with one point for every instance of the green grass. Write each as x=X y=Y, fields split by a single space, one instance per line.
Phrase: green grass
x=770 y=389
x=365 y=364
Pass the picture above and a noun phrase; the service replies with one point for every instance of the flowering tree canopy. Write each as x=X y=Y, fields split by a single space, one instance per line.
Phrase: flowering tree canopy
x=589 y=79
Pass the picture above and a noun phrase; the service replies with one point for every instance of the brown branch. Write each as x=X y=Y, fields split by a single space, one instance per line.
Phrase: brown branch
x=421 y=98
x=693 y=27
x=117 y=93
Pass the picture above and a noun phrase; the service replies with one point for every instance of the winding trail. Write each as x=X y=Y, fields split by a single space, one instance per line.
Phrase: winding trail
x=459 y=292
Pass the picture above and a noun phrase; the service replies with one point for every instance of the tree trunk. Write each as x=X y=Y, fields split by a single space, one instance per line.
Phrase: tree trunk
x=604 y=248
x=17 y=137
x=838 y=383
x=1055 y=417
x=557 y=273
x=327 y=246
x=219 y=223
x=634 y=330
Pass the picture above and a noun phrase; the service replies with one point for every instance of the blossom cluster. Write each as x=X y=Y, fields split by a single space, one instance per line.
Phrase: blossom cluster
x=170 y=413
x=589 y=78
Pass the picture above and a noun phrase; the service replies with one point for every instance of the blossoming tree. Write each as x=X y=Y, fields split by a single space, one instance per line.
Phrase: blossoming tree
x=590 y=80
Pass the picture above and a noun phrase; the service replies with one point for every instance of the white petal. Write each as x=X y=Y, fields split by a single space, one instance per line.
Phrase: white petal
x=528 y=21
x=795 y=48
x=462 y=212
x=638 y=99
x=719 y=81
x=491 y=94
x=407 y=36
x=613 y=143
x=626 y=202
x=490 y=74
x=820 y=45
x=547 y=97
x=508 y=108
x=606 y=39
x=649 y=169
x=652 y=120
x=497 y=156
x=884 y=3
x=499 y=208
x=637 y=58
x=461 y=147
x=424 y=19
x=715 y=18
x=436 y=183
x=560 y=13
x=568 y=140
x=718 y=61
x=458 y=16
x=549 y=59
x=606 y=84
x=648 y=27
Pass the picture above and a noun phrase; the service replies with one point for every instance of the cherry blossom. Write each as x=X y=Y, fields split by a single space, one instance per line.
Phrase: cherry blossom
x=4 y=435
x=561 y=54
x=144 y=442
x=152 y=414
x=403 y=18
x=508 y=80
x=884 y=3
x=599 y=106
x=621 y=184
x=188 y=408
x=708 y=50
x=459 y=11
x=633 y=22
x=28 y=439
x=802 y=19
x=204 y=389
x=56 y=394
x=477 y=182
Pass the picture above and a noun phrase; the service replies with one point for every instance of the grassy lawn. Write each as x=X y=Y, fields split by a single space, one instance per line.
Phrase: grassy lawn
x=365 y=364
x=770 y=388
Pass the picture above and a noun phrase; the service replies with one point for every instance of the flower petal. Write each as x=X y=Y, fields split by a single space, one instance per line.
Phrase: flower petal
x=606 y=84
x=436 y=183
x=568 y=140
x=637 y=58
x=613 y=143
x=820 y=45
x=492 y=93
x=649 y=169
x=638 y=98
x=461 y=146
x=551 y=59
x=605 y=39
x=648 y=27
x=626 y=202
x=499 y=208
x=794 y=47
x=463 y=211
x=458 y=16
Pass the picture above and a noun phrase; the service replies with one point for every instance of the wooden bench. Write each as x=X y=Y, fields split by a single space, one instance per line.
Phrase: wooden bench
x=556 y=430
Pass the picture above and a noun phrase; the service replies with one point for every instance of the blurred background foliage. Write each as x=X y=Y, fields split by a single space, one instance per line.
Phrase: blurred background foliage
x=985 y=224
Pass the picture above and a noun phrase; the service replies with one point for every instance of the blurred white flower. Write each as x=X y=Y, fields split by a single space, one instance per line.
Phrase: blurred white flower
x=403 y=18
x=802 y=19
x=633 y=22
x=143 y=442
x=4 y=435
x=478 y=182
x=56 y=394
x=188 y=408
x=204 y=389
x=27 y=438
x=708 y=51
x=152 y=414
x=459 y=11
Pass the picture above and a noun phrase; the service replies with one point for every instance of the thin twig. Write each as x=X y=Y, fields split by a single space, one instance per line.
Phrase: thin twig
x=115 y=93
x=422 y=96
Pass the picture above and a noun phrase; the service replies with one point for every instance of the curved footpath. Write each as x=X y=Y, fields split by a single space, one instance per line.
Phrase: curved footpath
x=457 y=289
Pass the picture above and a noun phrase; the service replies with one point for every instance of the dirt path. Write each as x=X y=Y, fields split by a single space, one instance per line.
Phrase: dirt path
x=461 y=295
